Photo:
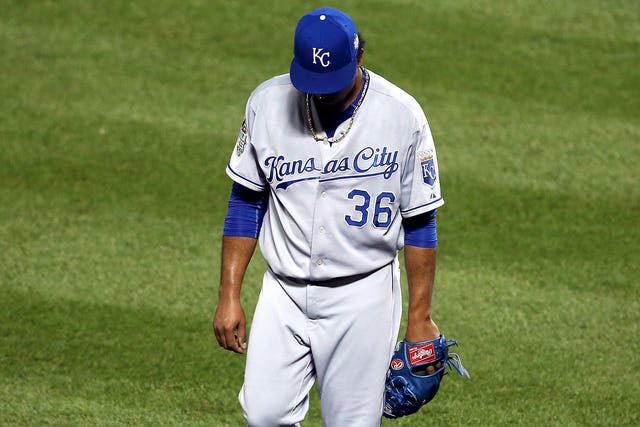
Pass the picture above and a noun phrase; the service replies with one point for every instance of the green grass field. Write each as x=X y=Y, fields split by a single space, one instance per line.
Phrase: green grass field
x=117 y=120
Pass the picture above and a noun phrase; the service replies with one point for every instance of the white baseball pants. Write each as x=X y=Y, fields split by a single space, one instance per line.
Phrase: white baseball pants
x=341 y=335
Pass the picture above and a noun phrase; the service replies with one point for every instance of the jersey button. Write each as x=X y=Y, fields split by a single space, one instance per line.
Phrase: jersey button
x=321 y=230
x=324 y=195
x=319 y=261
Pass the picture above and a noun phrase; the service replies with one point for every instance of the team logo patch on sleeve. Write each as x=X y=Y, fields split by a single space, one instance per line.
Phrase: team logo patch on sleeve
x=242 y=138
x=422 y=353
x=428 y=167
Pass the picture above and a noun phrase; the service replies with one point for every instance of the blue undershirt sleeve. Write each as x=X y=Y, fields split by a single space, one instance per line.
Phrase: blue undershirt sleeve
x=420 y=230
x=245 y=212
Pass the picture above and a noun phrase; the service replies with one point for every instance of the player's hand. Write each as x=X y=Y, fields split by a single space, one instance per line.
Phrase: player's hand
x=229 y=326
x=423 y=331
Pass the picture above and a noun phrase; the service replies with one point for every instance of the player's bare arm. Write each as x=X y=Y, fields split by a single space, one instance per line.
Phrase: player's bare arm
x=421 y=268
x=229 y=322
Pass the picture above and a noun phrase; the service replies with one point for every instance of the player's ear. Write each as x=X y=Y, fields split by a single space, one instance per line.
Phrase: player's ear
x=360 y=48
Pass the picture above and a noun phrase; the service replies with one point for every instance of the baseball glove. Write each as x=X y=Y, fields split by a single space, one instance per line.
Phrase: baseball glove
x=408 y=385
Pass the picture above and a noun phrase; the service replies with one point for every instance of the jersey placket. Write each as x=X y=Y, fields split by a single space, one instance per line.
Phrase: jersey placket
x=324 y=203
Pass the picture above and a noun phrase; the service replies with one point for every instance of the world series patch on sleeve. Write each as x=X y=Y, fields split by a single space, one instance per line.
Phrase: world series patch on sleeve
x=408 y=386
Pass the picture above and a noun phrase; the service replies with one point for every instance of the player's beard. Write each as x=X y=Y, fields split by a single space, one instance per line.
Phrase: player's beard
x=331 y=100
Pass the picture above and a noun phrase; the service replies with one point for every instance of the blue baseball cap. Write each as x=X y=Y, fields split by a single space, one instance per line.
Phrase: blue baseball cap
x=325 y=52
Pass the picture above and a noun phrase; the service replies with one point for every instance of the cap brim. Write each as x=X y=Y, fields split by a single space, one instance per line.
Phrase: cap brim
x=321 y=83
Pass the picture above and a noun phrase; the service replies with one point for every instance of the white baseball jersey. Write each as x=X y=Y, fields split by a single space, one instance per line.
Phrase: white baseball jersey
x=335 y=210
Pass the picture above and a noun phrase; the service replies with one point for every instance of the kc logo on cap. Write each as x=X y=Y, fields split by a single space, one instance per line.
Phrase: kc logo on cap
x=325 y=52
x=321 y=57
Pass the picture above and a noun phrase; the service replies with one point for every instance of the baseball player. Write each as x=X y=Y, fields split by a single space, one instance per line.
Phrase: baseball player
x=334 y=171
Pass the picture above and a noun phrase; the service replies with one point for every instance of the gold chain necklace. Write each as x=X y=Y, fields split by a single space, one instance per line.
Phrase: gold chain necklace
x=353 y=116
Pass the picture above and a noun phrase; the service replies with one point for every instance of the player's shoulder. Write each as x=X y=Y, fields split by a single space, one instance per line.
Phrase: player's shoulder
x=275 y=85
x=396 y=97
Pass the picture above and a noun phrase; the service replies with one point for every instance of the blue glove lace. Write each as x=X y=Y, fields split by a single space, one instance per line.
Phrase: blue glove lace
x=455 y=363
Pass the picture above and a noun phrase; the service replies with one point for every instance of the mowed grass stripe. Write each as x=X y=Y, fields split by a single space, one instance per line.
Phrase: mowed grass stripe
x=75 y=362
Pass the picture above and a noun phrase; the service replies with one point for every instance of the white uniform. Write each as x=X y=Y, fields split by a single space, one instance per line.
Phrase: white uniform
x=330 y=304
